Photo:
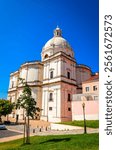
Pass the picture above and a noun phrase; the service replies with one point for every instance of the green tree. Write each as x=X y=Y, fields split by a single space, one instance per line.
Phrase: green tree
x=6 y=108
x=27 y=102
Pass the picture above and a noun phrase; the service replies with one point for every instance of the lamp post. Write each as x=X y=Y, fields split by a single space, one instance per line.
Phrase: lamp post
x=83 y=105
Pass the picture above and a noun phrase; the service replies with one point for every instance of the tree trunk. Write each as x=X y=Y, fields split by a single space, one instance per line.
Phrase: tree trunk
x=7 y=117
x=24 y=130
x=17 y=118
x=27 y=131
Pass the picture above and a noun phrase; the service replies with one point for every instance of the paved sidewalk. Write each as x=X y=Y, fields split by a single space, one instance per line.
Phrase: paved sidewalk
x=7 y=139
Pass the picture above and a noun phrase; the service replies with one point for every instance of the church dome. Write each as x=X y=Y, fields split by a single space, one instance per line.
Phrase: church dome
x=57 y=41
x=55 y=45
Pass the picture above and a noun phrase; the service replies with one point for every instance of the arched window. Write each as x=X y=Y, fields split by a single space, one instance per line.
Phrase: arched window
x=51 y=74
x=68 y=75
x=46 y=56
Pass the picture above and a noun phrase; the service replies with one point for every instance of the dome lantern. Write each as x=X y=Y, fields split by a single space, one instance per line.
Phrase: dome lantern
x=57 y=32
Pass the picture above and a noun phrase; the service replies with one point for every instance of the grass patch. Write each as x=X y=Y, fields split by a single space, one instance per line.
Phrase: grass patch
x=89 y=123
x=59 y=142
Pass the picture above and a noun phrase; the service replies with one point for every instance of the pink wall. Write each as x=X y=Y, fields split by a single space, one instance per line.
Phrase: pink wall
x=91 y=108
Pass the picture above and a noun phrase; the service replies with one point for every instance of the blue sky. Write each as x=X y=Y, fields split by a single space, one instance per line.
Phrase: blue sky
x=26 y=25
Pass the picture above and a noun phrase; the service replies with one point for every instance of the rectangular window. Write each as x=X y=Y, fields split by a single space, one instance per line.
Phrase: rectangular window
x=69 y=97
x=87 y=89
x=69 y=109
x=50 y=108
x=51 y=97
x=51 y=74
x=12 y=84
x=68 y=75
x=95 y=97
x=94 y=88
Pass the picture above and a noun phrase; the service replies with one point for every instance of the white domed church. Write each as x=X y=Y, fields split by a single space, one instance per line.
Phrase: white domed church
x=53 y=80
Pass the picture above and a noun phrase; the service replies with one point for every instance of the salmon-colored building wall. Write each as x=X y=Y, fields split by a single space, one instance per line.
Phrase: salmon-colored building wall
x=91 y=85
x=91 y=110
x=66 y=114
x=89 y=96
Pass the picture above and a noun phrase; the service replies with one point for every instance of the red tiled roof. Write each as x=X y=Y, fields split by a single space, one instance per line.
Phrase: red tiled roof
x=92 y=78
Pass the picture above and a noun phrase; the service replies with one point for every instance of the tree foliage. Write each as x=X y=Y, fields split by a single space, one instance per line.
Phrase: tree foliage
x=27 y=102
x=6 y=107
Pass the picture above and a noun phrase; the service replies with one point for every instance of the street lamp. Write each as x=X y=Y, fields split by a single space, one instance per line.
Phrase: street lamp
x=83 y=105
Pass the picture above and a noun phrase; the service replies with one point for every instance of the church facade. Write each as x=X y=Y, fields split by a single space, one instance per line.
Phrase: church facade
x=53 y=81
